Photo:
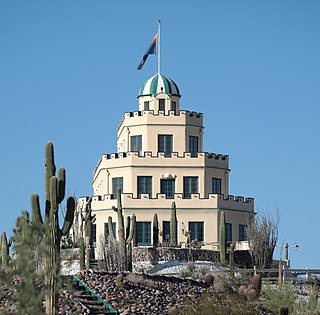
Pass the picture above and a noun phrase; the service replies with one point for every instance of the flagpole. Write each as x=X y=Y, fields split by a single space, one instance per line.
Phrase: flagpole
x=158 y=46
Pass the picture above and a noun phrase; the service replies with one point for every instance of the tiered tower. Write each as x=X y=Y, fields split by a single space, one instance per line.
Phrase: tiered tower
x=160 y=159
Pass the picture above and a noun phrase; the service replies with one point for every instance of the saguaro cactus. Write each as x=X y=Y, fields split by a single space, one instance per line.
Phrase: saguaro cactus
x=130 y=238
x=55 y=192
x=82 y=253
x=231 y=258
x=81 y=219
x=110 y=229
x=173 y=225
x=222 y=239
x=155 y=230
x=125 y=236
x=5 y=245
x=89 y=219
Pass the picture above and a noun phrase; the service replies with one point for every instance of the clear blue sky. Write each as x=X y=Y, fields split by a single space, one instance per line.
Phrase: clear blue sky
x=68 y=74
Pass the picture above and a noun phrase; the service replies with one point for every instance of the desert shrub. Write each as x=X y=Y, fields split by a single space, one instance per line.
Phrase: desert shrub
x=188 y=271
x=214 y=303
x=119 y=281
x=192 y=271
x=262 y=234
x=287 y=295
x=22 y=283
x=202 y=270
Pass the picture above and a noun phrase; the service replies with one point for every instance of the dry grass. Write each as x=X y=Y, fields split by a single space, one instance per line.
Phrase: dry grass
x=218 y=303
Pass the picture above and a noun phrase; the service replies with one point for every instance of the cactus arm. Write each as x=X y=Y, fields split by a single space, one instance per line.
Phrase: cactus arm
x=50 y=168
x=111 y=233
x=69 y=216
x=54 y=194
x=61 y=184
x=82 y=253
x=223 y=249
x=121 y=234
x=173 y=225
x=155 y=230
x=231 y=258
x=132 y=228
x=127 y=230
x=4 y=250
x=36 y=213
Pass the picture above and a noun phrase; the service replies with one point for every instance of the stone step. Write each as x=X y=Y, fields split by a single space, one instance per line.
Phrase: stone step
x=93 y=303
x=85 y=296
x=100 y=312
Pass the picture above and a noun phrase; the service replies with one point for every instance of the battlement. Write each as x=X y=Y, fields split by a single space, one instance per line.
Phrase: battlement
x=150 y=113
x=162 y=154
x=213 y=201
x=201 y=158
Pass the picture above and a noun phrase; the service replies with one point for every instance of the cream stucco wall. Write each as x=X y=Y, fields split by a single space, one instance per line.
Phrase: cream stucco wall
x=131 y=165
x=180 y=125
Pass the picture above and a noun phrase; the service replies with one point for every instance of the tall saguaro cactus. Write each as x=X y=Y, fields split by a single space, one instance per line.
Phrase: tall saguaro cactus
x=173 y=225
x=55 y=192
x=5 y=245
x=125 y=236
x=222 y=239
x=89 y=220
x=231 y=258
x=155 y=230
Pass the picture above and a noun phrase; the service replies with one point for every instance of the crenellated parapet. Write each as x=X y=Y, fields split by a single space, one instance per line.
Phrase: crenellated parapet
x=169 y=160
x=120 y=155
x=213 y=201
x=171 y=117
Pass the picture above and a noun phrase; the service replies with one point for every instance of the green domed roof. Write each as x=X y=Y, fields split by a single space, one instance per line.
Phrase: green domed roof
x=159 y=84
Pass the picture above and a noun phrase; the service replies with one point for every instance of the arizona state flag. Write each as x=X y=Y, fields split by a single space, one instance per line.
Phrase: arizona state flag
x=150 y=51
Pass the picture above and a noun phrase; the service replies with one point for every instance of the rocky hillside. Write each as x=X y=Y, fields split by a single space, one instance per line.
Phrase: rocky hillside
x=133 y=293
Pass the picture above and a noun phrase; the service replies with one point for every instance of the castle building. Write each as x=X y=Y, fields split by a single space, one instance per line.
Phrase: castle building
x=160 y=159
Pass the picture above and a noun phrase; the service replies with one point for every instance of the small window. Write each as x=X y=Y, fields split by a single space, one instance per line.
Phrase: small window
x=144 y=185
x=106 y=230
x=228 y=234
x=196 y=231
x=190 y=186
x=143 y=233
x=117 y=182
x=216 y=186
x=146 y=105
x=162 y=104
x=166 y=232
x=136 y=143
x=165 y=144
x=242 y=232
x=193 y=146
x=168 y=188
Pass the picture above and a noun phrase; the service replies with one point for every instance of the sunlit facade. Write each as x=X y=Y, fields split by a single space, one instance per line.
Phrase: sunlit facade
x=160 y=159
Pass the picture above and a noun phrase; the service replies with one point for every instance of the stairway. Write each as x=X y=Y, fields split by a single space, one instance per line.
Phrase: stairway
x=89 y=299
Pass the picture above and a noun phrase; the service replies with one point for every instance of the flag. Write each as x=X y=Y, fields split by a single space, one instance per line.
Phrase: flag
x=151 y=50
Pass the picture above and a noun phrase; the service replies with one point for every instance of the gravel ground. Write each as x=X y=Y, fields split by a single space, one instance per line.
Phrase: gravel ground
x=141 y=294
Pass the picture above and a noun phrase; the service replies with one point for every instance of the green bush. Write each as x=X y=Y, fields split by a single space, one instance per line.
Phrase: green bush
x=287 y=295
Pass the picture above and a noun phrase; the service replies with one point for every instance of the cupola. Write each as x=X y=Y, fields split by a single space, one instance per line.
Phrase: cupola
x=159 y=94
x=159 y=84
